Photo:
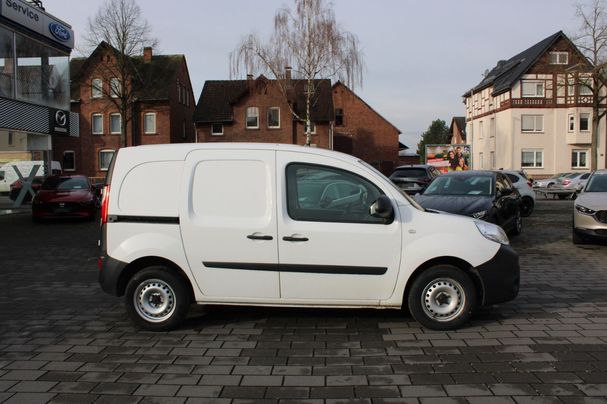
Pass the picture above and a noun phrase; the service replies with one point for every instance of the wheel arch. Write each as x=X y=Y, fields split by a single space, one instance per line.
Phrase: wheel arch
x=446 y=260
x=141 y=263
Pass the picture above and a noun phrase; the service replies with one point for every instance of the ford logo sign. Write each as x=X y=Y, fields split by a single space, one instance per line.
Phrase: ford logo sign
x=59 y=31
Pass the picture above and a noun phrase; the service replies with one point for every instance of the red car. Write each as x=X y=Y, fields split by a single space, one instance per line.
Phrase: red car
x=65 y=196
x=15 y=189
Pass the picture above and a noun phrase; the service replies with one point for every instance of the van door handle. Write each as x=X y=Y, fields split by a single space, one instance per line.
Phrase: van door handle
x=259 y=237
x=290 y=238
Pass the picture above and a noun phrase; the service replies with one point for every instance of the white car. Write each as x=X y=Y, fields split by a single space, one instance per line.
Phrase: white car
x=282 y=225
x=590 y=210
x=524 y=186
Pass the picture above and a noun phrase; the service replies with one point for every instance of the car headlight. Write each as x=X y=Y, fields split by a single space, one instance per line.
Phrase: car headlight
x=492 y=232
x=585 y=210
x=479 y=215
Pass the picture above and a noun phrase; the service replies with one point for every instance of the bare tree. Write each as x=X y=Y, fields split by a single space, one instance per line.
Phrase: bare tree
x=308 y=40
x=592 y=41
x=120 y=24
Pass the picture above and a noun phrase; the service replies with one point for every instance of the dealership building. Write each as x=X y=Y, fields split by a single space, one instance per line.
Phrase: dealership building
x=34 y=85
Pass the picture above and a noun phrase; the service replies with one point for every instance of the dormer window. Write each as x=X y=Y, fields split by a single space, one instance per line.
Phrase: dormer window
x=558 y=58
x=532 y=88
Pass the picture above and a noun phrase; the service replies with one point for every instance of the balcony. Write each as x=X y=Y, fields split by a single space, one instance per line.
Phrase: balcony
x=531 y=102
x=578 y=137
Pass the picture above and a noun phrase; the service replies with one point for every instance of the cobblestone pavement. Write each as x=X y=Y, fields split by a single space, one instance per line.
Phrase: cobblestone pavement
x=63 y=340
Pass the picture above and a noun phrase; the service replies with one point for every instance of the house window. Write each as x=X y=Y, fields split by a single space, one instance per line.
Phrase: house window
x=97 y=124
x=558 y=58
x=115 y=87
x=252 y=118
x=149 y=123
x=532 y=123
x=105 y=158
x=274 y=117
x=571 y=87
x=492 y=160
x=533 y=88
x=571 y=123
x=10 y=139
x=579 y=159
x=481 y=160
x=584 y=86
x=312 y=128
x=217 y=129
x=115 y=124
x=96 y=88
x=480 y=130
x=584 y=122
x=339 y=117
x=532 y=158
x=69 y=160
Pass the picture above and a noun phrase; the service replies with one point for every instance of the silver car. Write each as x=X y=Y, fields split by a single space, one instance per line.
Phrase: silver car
x=573 y=181
x=523 y=184
x=549 y=182
x=590 y=210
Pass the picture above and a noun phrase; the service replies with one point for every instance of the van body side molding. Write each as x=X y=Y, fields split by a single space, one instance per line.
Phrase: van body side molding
x=143 y=219
x=315 y=269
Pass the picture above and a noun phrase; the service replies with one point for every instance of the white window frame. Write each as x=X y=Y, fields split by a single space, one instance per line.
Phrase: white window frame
x=213 y=133
x=584 y=86
x=587 y=116
x=575 y=162
x=96 y=88
x=274 y=109
x=536 y=85
x=113 y=115
x=93 y=116
x=102 y=151
x=535 y=152
x=571 y=87
x=147 y=130
x=558 y=58
x=252 y=112
x=115 y=87
x=571 y=123
x=73 y=153
x=538 y=123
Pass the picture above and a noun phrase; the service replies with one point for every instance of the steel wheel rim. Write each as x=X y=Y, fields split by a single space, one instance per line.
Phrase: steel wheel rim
x=443 y=299
x=154 y=300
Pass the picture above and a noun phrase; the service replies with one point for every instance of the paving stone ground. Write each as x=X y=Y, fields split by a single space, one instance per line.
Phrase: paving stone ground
x=62 y=340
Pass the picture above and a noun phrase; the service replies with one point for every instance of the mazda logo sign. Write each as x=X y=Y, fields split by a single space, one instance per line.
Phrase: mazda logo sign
x=60 y=118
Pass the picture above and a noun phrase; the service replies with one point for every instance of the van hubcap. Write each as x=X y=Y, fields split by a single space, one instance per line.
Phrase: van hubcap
x=154 y=300
x=443 y=299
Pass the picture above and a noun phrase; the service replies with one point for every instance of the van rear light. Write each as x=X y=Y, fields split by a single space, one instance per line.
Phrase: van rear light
x=105 y=201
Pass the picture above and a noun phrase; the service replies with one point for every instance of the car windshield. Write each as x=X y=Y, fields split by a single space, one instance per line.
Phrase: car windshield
x=461 y=185
x=64 y=183
x=597 y=183
x=409 y=173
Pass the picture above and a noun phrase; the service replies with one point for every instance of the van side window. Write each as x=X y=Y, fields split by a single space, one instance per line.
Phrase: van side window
x=325 y=194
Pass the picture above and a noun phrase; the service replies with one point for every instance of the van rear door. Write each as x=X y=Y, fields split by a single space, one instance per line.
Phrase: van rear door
x=228 y=223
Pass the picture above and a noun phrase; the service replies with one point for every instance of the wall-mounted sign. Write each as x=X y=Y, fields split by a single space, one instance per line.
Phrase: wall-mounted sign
x=59 y=121
x=35 y=19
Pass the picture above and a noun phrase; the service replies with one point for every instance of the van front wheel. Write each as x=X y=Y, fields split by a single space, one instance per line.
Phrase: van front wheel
x=442 y=298
x=156 y=299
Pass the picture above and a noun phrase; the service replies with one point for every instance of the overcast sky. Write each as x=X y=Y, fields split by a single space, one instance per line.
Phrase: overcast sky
x=420 y=56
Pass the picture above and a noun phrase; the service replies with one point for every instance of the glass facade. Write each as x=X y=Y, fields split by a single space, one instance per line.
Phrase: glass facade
x=33 y=72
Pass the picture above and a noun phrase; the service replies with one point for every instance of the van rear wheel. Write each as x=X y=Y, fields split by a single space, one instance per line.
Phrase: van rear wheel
x=157 y=299
x=442 y=298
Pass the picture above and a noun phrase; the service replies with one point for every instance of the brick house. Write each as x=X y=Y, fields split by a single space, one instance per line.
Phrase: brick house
x=161 y=112
x=534 y=111
x=255 y=110
x=363 y=132
x=457 y=130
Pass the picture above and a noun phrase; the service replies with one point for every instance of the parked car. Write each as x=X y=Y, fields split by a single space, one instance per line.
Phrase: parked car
x=15 y=189
x=590 y=210
x=414 y=178
x=283 y=225
x=549 y=182
x=65 y=196
x=486 y=195
x=525 y=187
x=573 y=182
x=8 y=171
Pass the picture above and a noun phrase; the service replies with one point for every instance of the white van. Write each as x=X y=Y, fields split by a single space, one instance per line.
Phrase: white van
x=8 y=174
x=282 y=225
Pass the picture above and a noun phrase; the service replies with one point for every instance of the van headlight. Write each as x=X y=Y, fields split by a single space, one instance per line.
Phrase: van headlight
x=492 y=232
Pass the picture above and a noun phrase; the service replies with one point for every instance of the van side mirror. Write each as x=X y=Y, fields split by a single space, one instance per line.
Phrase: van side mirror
x=382 y=207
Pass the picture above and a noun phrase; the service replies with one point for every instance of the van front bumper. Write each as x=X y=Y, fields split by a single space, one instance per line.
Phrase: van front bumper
x=500 y=276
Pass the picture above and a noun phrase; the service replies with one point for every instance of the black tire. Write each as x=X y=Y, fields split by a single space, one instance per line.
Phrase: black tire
x=562 y=196
x=156 y=288
x=576 y=238
x=518 y=224
x=442 y=282
x=527 y=206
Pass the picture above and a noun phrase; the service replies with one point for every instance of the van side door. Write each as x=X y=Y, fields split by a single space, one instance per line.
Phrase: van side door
x=228 y=223
x=331 y=249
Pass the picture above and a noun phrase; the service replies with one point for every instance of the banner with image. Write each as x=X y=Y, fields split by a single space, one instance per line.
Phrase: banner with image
x=449 y=157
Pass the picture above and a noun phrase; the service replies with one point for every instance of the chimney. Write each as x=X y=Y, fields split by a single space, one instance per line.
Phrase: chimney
x=288 y=74
x=147 y=54
x=249 y=77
